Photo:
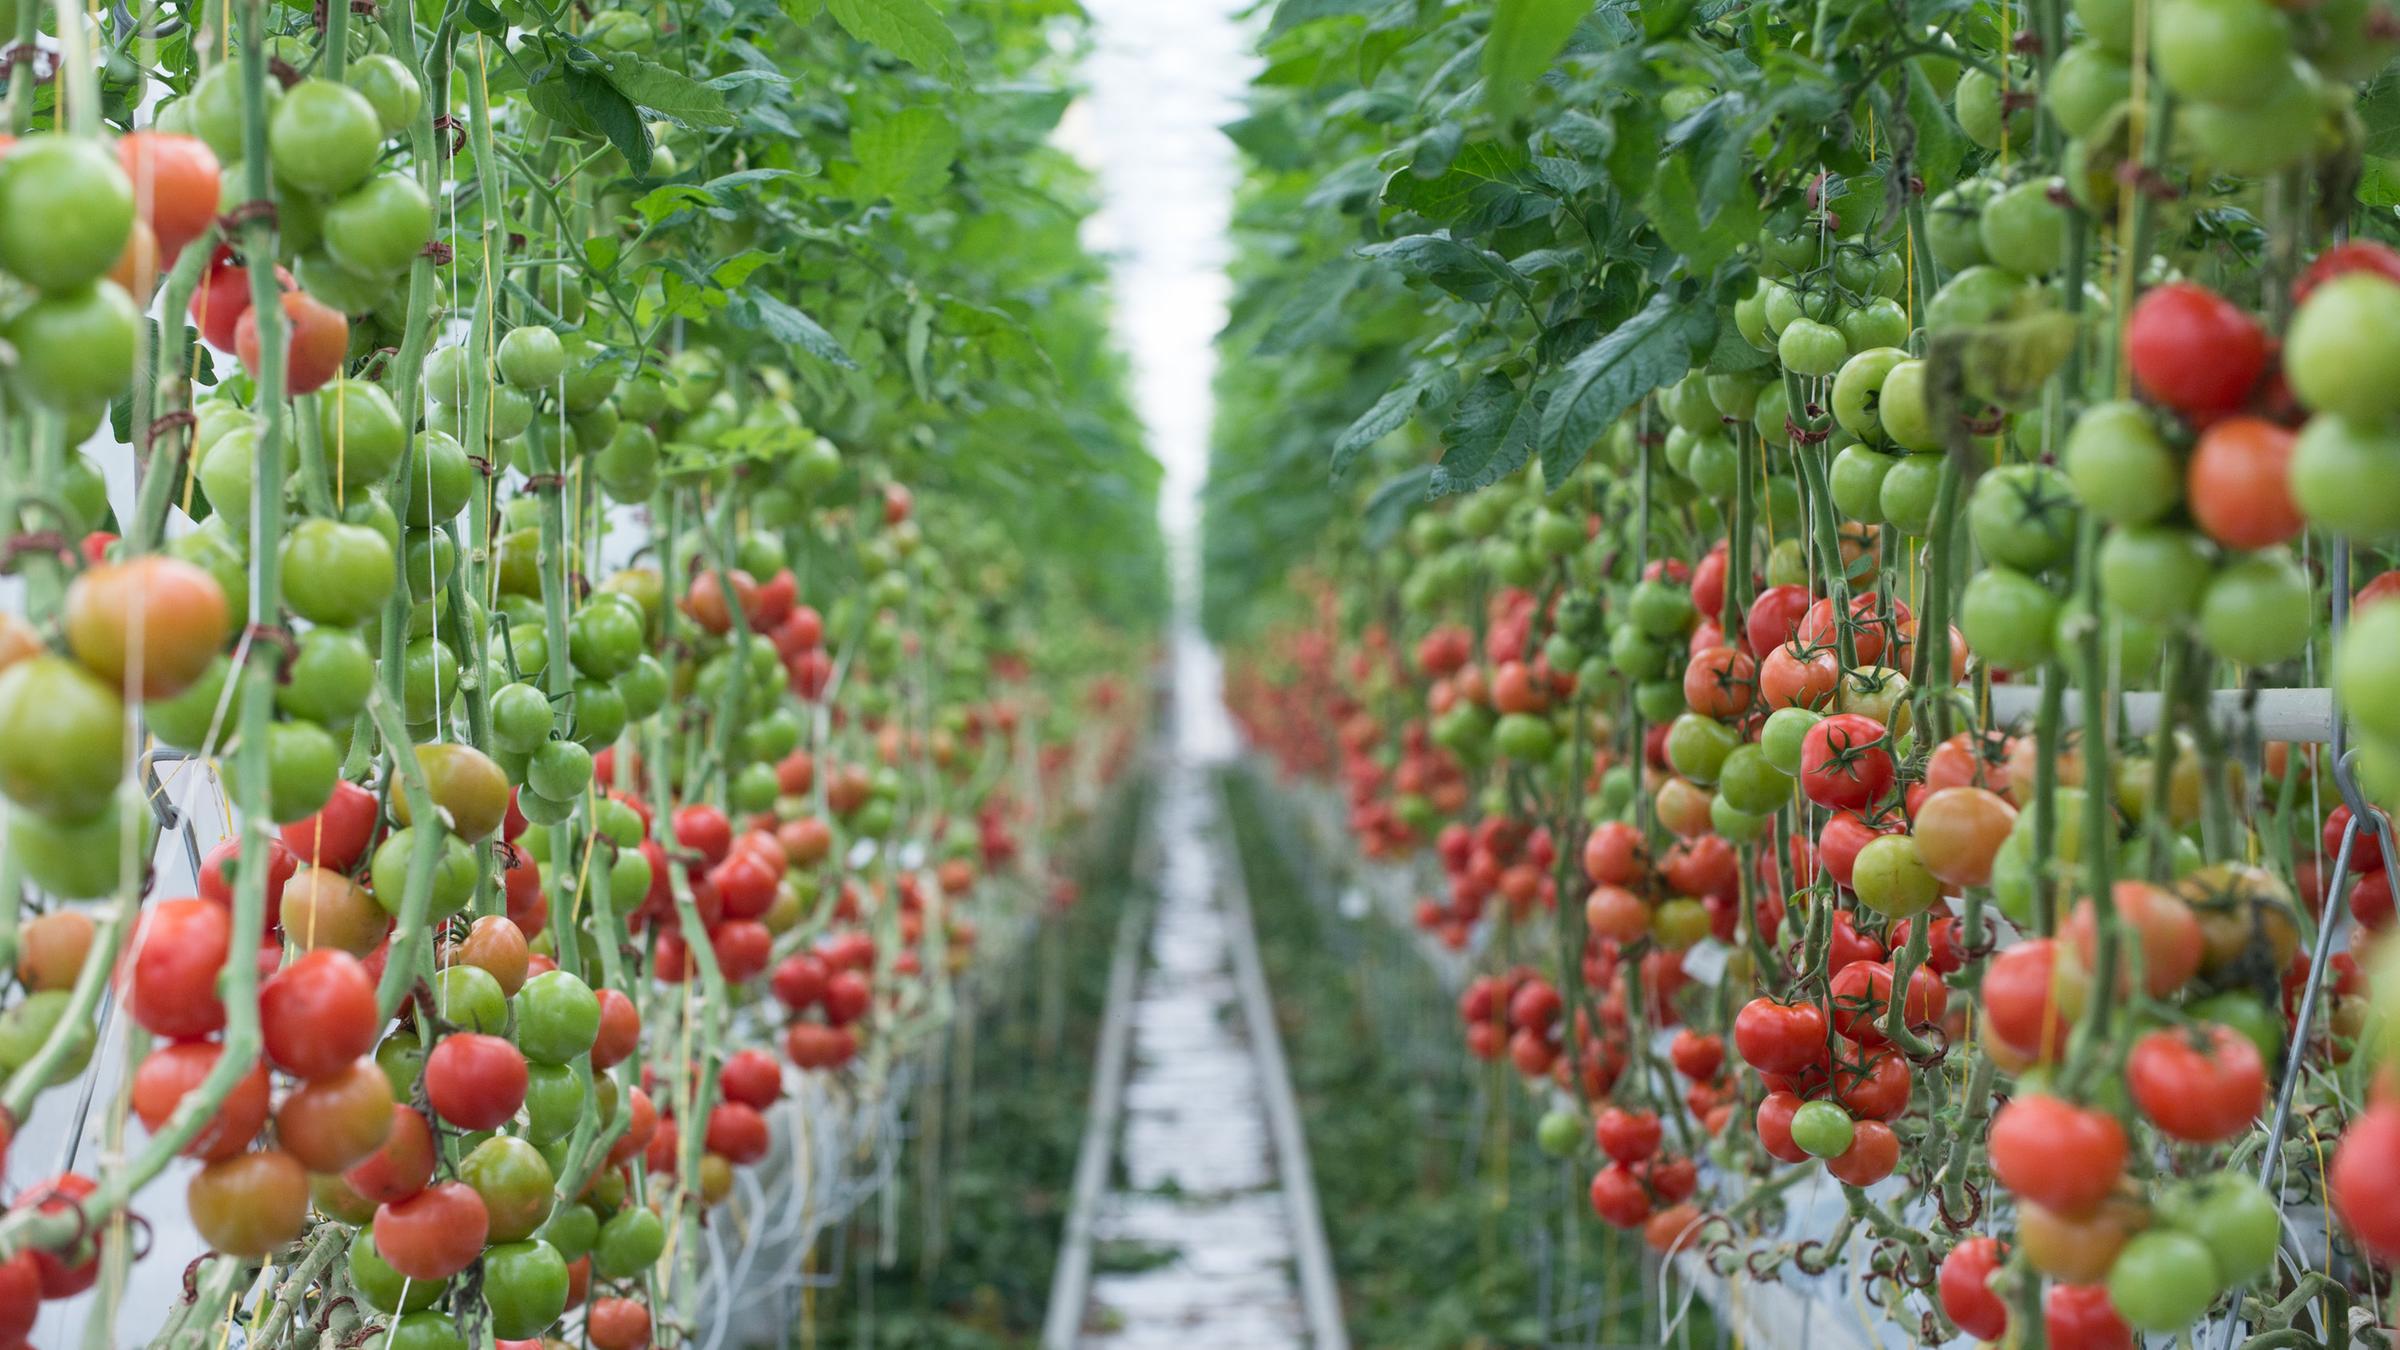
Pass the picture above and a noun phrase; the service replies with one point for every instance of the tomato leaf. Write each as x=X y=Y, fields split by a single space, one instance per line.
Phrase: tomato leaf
x=905 y=157
x=1525 y=37
x=1292 y=14
x=908 y=29
x=758 y=310
x=1311 y=307
x=1647 y=351
x=1468 y=273
x=1490 y=436
x=1390 y=413
x=592 y=105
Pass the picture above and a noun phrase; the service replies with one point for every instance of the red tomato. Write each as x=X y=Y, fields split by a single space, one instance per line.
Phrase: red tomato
x=1775 y=1127
x=2364 y=1180
x=2238 y=486
x=1874 y=1153
x=435 y=1233
x=2358 y=255
x=169 y=1072
x=2080 y=1317
x=1774 y=618
x=176 y=958
x=317 y=1015
x=1846 y=762
x=474 y=1081
x=1777 y=1037
x=2194 y=350
x=1966 y=1288
x=1619 y=1198
x=2063 y=1157
x=2201 y=1085
x=1627 y=1136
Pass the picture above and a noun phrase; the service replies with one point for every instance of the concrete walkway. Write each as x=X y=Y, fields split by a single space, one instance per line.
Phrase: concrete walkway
x=1195 y=1245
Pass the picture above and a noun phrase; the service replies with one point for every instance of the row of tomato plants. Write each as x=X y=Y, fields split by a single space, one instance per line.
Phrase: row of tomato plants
x=1849 y=474
x=600 y=745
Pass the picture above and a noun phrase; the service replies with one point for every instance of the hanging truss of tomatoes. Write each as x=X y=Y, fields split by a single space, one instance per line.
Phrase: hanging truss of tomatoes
x=513 y=670
x=1857 y=547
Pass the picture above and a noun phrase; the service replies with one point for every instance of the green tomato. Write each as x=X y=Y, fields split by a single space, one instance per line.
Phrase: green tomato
x=388 y=86
x=1823 y=1129
x=2233 y=1217
x=2257 y=609
x=439 y=483
x=532 y=357
x=521 y=718
x=1781 y=738
x=514 y=1180
x=2345 y=476
x=1911 y=488
x=2275 y=132
x=558 y=1017
x=324 y=137
x=1661 y=608
x=2023 y=516
x=1750 y=783
x=1524 y=737
x=335 y=573
x=2226 y=52
x=66 y=210
x=74 y=346
x=1954 y=225
x=1698 y=746
x=453 y=873
x=385 y=1289
x=631 y=1241
x=2008 y=618
x=2155 y=572
x=1906 y=413
x=2024 y=228
x=1857 y=481
x=573 y=1229
x=1808 y=347
x=2330 y=352
x=470 y=996
x=1560 y=1133
x=428 y=680
x=2120 y=467
x=2163 y=1280
x=525 y=1286
x=184 y=721
x=1982 y=114
x=1891 y=879
x=1878 y=323
x=427 y=1330
x=377 y=229
x=553 y=1102
x=2085 y=85
x=303 y=763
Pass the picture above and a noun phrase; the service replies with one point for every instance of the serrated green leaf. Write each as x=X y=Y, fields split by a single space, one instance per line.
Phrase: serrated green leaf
x=1311 y=307
x=1675 y=212
x=1489 y=437
x=737 y=269
x=1390 y=413
x=588 y=103
x=602 y=252
x=2379 y=181
x=787 y=324
x=905 y=157
x=1651 y=349
x=1469 y=273
x=678 y=98
x=1483 y=176
x=1293 y=13
x=1525 y=37
x=1394 y=500
x=909 y=29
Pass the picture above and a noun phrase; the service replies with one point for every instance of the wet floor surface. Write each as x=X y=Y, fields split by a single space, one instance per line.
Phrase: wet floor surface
x=1195 y=1241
